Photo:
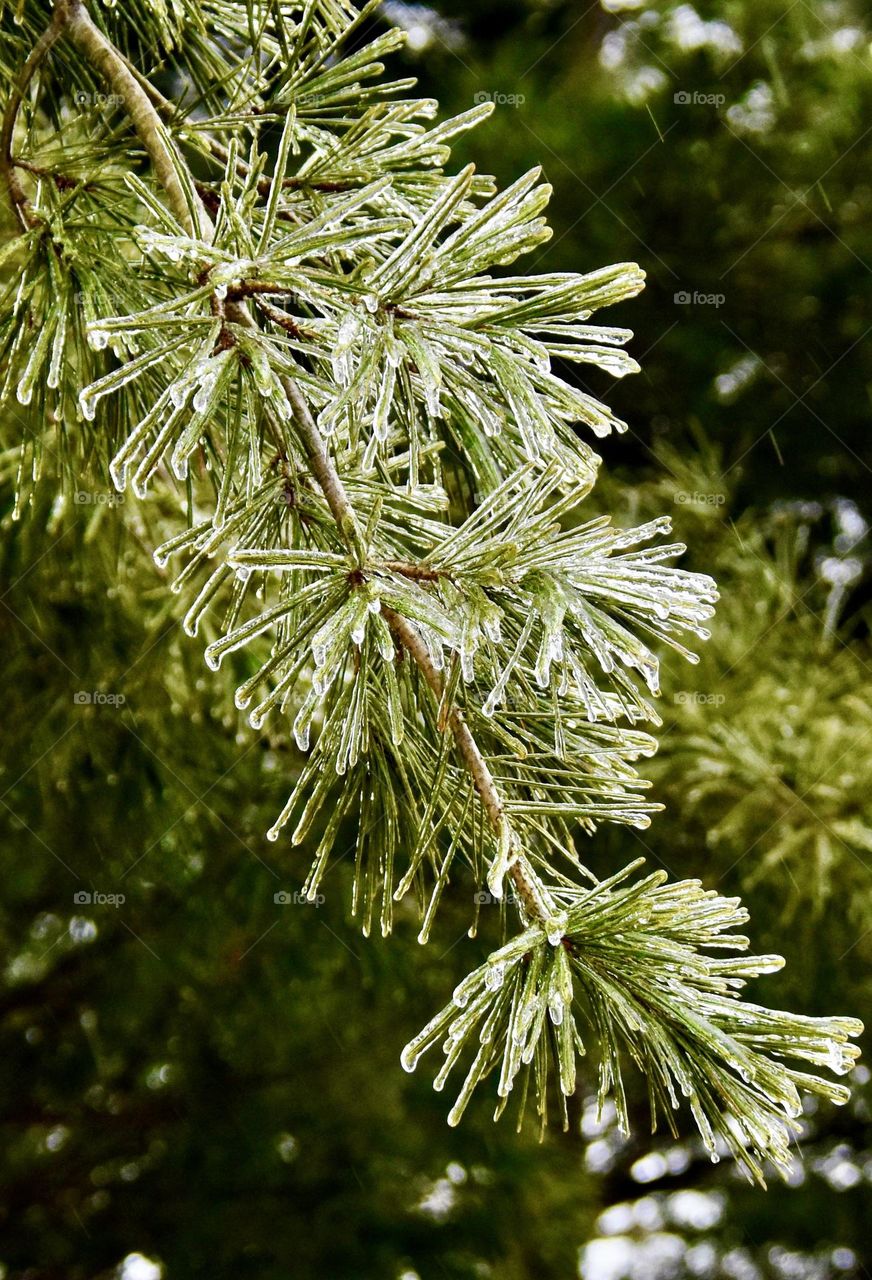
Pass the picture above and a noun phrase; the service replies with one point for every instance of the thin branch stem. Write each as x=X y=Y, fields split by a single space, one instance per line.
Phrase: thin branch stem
x=417 y=572
x=17 y=196
x=535 y=897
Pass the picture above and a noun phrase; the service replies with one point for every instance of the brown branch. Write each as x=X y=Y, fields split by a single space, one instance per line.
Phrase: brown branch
x=281 y=318
x=417 y=572
x=531 y=891
x=17 y=196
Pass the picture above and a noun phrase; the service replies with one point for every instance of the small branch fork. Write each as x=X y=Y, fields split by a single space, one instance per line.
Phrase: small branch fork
x=72 y=20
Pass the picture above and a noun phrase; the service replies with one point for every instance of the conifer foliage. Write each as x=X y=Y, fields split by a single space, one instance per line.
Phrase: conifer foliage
x=244 y=283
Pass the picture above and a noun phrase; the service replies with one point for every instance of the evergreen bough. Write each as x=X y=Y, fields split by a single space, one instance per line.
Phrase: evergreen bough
x=242 y=283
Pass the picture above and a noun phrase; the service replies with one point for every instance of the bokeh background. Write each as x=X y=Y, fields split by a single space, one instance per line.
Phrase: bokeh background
x=199 y=1081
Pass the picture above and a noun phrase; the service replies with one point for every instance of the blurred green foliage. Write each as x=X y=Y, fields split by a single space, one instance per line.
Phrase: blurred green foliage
x=726 y=148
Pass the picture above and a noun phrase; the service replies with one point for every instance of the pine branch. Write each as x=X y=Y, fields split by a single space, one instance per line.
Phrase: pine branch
x=322 y=359
x=72 y=17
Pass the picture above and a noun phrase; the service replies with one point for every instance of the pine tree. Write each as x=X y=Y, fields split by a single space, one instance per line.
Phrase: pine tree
x=242 y=284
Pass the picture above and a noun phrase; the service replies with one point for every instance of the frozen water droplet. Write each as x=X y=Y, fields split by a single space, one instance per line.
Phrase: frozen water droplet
x=213 y=660
x=273 y=834
x=409 y=1059
x=118 y=475
x=555 y=1009
x=98 y=339
x=241 y=699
